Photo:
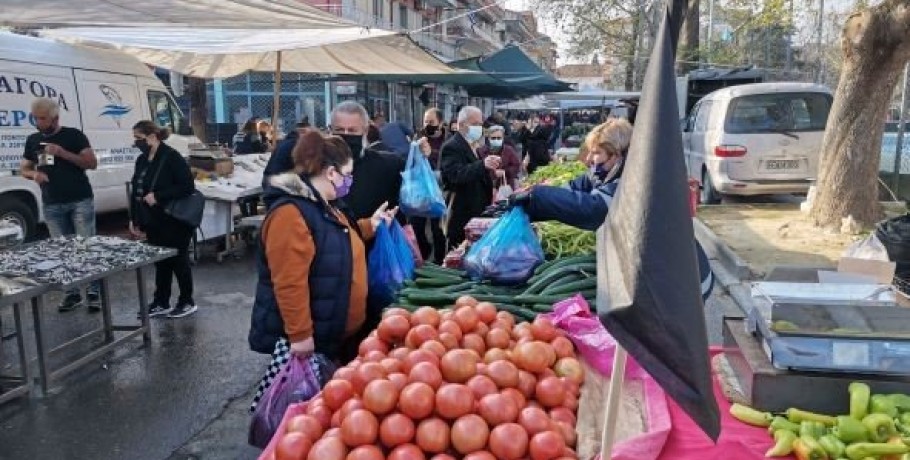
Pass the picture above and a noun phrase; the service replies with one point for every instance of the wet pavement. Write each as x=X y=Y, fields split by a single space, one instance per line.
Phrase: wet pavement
x=183 y=397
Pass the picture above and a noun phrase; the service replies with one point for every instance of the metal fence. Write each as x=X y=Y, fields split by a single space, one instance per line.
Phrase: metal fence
x=252 y=94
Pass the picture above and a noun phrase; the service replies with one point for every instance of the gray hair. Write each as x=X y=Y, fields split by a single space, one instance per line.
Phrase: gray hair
x=466 y=112
x=352 y=107
x=45 y=105
x=496 y=128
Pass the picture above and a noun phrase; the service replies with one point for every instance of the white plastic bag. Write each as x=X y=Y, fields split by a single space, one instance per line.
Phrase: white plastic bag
x=868 y=248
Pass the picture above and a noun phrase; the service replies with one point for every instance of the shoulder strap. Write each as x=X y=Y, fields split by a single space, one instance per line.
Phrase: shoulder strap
x=158 y=171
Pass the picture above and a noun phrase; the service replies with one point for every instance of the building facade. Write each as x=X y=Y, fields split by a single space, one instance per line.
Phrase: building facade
x=449 y=29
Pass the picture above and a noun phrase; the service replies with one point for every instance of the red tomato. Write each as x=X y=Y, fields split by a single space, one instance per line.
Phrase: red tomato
x=543 y=329
x=497 y=409
x=503 y=373
x=534 y=420
x=449 y=340
x=434 y=346
x=526 y=383
x=568 y=433
x=380 y=396
x=469 y=434
x=516 y=395
x=293 y=446
x=366 y=453
x=481 y=386
x=495 y=354
x=306 y=424
x=467 y=318
x=328 y=448
x=571 y=369
x=396 y=429
x=454 y=400
x=393 y=329
x=498 y=338
x=546 y=445
x=486 y=311
x=419 y=356
x=550 y=392
x=420 y=334
x=474 y=342
x=366 y=373
x=466 y=300
x=561 y=414
x=532 y=356
x=480 y=455
x=407 y=452
x=372 y=344
x=482 y=329
x=427 y=373
x=458 y=366
x=451 y=327
x=336 y=392
x=509 y=441
x=425 y=315
x=396 y=311
x=506 y=317
x=322 y=413
x=390 y=365
x=563 y=347
x=417 y=400
x=442 y=457
x=433 y=435
x=348 y=407
x=399 y=379
x=359 y=428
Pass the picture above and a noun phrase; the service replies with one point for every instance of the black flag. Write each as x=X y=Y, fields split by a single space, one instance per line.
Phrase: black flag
x=653 y=305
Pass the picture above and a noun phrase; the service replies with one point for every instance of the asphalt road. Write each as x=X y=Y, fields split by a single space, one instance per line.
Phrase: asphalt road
x=183 y=397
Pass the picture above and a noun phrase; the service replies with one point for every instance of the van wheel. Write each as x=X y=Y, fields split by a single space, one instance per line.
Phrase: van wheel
x=708 y=194
x=19 y=214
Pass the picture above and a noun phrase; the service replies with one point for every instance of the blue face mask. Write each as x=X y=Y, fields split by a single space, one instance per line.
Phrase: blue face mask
x=496 y=143
x=474 y=133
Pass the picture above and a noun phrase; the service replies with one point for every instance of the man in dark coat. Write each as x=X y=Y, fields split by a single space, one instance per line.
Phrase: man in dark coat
x=466 y=177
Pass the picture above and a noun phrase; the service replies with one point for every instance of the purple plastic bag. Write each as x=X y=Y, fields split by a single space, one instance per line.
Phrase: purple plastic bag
x=299 y=381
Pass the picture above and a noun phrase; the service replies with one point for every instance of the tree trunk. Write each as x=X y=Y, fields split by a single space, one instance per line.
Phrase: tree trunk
x=876 y=45
x=632 y=66
x=198 y=107
x=689 y=54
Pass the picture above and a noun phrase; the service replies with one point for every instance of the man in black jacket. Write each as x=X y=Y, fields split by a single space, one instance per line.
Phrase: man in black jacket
x=467 y=178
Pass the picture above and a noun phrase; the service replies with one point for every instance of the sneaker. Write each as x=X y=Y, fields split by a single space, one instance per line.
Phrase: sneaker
x=156 y=309
x=70 y=303
x=93 y=301
x=182 y=309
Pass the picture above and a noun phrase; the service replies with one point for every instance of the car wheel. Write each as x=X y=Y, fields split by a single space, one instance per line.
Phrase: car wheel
x=709 y=194
x=14 y=212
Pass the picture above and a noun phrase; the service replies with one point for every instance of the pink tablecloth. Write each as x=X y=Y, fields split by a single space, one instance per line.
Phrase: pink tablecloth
x=737 y=440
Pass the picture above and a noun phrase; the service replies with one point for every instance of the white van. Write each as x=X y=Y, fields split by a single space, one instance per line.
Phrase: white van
x=754 y=139
x=102 y=92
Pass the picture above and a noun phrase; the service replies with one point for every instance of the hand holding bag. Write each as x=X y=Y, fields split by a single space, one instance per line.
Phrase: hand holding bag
x=188 y=209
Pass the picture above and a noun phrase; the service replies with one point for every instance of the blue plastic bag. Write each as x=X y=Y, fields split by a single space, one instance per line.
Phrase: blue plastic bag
x=507 y=253
x=390 y=263
x=420 y=193
x=300 y=380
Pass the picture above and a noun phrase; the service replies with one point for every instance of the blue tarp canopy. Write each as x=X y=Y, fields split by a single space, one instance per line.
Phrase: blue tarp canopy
x=515 y=73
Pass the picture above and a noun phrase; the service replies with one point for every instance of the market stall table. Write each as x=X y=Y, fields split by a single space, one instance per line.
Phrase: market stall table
x=73 y=262
x=13 y=295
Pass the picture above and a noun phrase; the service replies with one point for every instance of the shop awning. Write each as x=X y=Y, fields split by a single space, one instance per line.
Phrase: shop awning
x=220 y=53
x=518 y=75
x=237 y=14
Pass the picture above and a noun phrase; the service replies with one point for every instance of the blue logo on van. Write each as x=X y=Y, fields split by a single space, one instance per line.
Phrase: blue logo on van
x=115 y=107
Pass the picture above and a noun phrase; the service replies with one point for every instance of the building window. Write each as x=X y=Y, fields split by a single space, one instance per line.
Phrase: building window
x=403 y=16
x=377 y=8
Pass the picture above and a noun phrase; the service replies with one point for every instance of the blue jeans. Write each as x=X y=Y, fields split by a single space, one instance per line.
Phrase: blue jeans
x=76 y=218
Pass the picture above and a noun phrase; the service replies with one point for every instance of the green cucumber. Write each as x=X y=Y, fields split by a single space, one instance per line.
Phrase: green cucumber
x=459 y=288
x=570 y=278
x=568 y=261
x=542 y=307
x=545 y=266
x=438 y=281
x=553 y=275
x=574 y=287
x=433 y=271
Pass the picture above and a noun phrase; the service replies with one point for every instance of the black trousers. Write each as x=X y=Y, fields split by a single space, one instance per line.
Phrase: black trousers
x=436 y=244
x=176 y=236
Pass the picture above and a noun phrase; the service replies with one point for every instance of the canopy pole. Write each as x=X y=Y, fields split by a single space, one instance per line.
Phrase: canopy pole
x=611 y=416
x=276 y=102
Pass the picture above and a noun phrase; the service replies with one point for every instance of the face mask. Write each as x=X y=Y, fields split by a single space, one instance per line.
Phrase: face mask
x=354 y=141
x=496 y=143
x=430 y=129
x=474 y=133
x=143 y=145
x=342 y=190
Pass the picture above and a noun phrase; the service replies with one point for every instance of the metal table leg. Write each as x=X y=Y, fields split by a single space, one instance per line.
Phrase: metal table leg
x=229 y=232
x=40 y=343
x=20 y=342
x=143 y=306
x=106 y=311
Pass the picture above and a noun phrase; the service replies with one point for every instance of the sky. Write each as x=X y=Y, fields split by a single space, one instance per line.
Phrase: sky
x=545 y=26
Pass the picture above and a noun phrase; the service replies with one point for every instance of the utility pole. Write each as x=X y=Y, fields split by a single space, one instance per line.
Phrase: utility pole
x=898 y=152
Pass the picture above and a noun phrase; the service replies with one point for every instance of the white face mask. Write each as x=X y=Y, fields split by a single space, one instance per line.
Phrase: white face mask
x=496 y=143
x=474 y=133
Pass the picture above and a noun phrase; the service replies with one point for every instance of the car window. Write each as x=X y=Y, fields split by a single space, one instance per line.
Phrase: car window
x=701 y=120
x=690 y=123
x=165 y=112
x=778 y=112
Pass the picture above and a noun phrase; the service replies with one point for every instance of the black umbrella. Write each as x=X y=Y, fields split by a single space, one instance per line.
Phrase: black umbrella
x=654 y=307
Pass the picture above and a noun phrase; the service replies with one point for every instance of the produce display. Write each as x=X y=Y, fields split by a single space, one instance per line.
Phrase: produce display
x=552 y=282
x=877 y=427
x=561 y=240
x=468 y=382
x=556 y=173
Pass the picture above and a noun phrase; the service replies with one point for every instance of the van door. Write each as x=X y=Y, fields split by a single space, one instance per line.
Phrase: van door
x=110 y=108
x=164 y=111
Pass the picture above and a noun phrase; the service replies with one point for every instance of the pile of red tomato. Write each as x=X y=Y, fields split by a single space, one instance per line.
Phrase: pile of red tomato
x=466 y=383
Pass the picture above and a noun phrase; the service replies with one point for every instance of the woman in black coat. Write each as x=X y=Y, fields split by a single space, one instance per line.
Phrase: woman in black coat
x=162 y=175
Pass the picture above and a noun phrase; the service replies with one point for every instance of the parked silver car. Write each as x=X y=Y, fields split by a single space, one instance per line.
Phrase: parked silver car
x=754 y=139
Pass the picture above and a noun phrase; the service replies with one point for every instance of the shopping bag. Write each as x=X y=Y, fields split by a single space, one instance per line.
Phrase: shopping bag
x=300 y=380
x=507 y=253
x=389 y=264
x=420 y=193
x=411 y=238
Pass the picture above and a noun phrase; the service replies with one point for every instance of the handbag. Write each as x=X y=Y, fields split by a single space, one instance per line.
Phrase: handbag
x=188 y=209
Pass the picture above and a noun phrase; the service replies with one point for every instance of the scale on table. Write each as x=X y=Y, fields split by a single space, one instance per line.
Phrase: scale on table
x=831 y=327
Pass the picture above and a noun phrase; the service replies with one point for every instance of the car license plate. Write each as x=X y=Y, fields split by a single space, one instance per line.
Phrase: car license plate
x=781 y=164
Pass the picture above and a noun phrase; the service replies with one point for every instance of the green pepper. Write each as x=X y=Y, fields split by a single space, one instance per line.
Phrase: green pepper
x=860 y=450
x=833 y=446
x=882 y=404
x=859 y=399
x=813 y=429
x=900 y=400
x=848 y=430
x=880 y=427
x=783 y=444
x=797 y=416
x=905 y=419
x=780 y=423
x=808 y=448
